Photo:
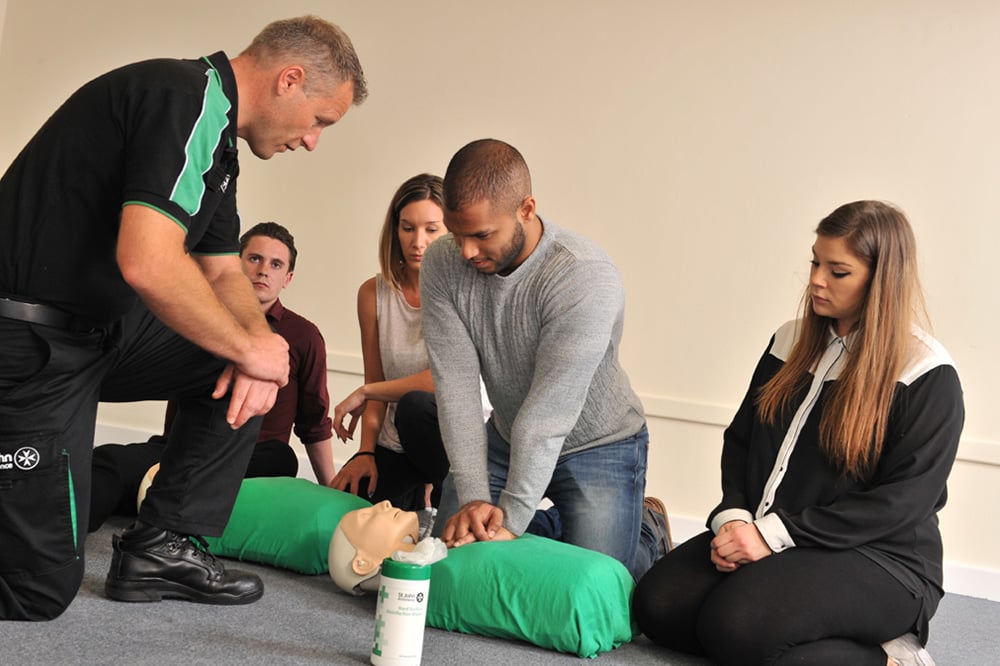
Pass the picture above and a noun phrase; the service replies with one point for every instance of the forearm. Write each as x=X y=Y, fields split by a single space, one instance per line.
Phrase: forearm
x=455 y=369
x=196 y=312
x=321 y=458
x=736 y=438
x=734 y=504
x=234 y=291
x=571 y=382
x=371 y=425
x=178 y=290
x=460 y=416
x=391 y=390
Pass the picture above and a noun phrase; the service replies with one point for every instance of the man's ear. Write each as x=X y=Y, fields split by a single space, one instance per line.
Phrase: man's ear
x=289 y=78
x=526 y=210
x=363 y=564
x=288 y=279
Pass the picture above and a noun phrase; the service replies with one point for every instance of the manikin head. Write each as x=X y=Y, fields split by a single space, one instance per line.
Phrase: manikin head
x=365 y=537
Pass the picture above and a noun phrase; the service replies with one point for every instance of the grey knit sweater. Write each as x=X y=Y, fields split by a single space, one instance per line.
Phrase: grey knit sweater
x=545 y=339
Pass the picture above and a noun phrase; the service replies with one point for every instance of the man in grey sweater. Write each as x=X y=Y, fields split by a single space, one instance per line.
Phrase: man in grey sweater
x=537 y=311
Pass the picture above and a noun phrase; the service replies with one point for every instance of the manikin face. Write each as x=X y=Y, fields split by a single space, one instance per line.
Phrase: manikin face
x=420 y=223
x=838 y=282
x=265 y=261
x=491 y=241
x=377 y=532
x=290 y=119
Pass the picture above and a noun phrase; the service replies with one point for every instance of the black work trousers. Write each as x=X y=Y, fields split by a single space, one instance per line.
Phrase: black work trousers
x=118 y=471
x=51 y=381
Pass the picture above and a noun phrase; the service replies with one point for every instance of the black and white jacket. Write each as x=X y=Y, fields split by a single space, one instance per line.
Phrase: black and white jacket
x=778 y=478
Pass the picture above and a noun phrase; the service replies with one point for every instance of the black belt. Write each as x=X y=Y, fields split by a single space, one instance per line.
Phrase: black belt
x=36 y=313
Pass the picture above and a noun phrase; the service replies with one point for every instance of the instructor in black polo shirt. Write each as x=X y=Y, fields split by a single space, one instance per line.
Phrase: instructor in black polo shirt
x=120 y=281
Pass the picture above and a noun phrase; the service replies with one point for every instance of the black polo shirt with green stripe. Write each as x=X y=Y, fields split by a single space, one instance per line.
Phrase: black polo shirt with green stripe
x=159 y=133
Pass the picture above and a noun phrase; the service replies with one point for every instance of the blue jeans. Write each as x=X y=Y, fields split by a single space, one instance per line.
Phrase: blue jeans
x=598 y=494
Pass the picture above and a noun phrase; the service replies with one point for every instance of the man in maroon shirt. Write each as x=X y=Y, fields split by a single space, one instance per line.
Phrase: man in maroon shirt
x=268 y=255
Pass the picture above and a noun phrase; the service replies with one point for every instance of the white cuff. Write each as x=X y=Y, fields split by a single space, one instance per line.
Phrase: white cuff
x=728 y=515
x=774 y=532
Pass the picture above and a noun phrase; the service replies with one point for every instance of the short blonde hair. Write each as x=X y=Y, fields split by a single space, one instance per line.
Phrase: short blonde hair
x=321 y=47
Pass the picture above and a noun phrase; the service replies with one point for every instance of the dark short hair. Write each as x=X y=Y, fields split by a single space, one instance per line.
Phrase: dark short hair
x=275 y=231
x=487 y=169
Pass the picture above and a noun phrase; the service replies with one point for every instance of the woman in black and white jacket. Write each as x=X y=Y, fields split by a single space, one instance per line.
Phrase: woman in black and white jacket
x=825 y=547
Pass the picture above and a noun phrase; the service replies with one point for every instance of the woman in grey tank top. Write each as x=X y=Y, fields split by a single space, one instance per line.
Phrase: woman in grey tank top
x=400 y=456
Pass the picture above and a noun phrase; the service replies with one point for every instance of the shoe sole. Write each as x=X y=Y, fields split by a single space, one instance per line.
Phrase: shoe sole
x=906 y=649
x=145 y=591
x=656 y=505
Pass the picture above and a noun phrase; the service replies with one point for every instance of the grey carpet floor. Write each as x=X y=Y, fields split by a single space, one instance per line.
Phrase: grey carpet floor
x=306 y=620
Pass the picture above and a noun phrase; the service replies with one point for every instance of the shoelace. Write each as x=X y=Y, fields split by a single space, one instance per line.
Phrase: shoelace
x=199 y=548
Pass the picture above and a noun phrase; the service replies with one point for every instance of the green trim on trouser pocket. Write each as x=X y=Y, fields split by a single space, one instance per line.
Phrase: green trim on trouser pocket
x=72 y=501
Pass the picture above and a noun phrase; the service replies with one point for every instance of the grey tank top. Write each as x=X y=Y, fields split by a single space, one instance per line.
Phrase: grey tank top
x=401 y=345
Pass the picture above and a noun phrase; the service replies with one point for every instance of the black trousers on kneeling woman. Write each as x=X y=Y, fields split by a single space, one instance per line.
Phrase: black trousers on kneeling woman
x=802 y=606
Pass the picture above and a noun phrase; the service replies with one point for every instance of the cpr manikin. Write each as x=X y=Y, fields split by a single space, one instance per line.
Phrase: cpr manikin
x=365 y=537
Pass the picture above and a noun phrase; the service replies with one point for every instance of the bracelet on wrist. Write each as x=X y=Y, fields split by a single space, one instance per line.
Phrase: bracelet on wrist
x=361 y=453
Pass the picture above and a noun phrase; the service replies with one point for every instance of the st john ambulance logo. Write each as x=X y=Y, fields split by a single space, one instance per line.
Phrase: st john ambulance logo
x=26 y=458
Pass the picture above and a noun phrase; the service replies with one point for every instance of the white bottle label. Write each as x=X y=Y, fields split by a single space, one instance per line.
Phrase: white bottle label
x=399 y=622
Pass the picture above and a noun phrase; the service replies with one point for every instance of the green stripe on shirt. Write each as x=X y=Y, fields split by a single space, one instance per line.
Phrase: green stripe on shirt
x=200 y=147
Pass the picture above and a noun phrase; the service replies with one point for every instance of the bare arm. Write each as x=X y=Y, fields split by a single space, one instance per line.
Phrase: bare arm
x=391 y=390
x=356 y=404
x=208 y=302
x=376 y=386
x=321 y=458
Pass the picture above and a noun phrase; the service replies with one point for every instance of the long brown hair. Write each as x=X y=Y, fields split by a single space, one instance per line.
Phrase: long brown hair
x=390 y=252
x=854 y=421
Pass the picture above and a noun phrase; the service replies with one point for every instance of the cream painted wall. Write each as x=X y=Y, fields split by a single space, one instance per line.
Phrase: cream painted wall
x=699 y=143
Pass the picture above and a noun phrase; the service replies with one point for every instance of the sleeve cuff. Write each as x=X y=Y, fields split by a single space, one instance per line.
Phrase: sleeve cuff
x=728 y=515
x=471 y=490
x=516 y=517
x=774 y=532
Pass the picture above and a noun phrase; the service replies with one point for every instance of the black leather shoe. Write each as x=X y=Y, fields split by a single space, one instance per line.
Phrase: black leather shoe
x=150 y=564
